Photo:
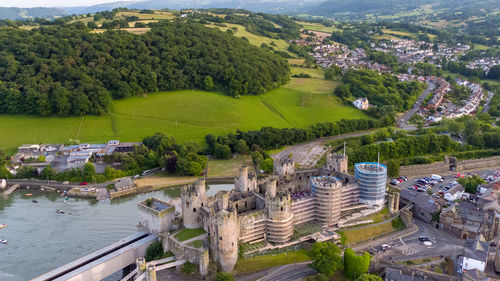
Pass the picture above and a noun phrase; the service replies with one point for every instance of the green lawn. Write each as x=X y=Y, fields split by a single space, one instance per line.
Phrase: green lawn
x=263 y=262
x=356 y=235
x=186 y=234
x=317 y=27
x=188 y=115
x=228 y=168
x=196 y=244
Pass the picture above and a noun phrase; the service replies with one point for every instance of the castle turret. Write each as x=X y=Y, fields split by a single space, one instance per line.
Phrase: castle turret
x=284 y=167
x=224 y=239
x=245 y=181
x=279 y=217
x=222 y=198
x=271 y=187
x=337 y=162
x=328 y=192
x=193 y=199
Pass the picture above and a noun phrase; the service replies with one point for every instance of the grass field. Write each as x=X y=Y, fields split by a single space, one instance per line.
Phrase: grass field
x=254 y=39
x=263 y=262
x=360 y=234
x=227 y=168
x=188 y=115
x=314 y=72
x=317 y=27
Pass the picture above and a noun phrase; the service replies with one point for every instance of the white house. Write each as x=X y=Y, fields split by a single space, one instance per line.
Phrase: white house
x=475 y=255
x=454 y=193
x=3 y=183
x=361 y=103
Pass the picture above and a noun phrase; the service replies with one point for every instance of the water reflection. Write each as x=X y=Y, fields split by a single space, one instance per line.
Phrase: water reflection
x=39 y=239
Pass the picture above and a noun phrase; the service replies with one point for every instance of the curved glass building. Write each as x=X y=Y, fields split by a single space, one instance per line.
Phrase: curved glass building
x=371 y=178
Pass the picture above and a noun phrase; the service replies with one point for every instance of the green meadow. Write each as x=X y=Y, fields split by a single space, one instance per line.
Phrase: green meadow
x=188 y=115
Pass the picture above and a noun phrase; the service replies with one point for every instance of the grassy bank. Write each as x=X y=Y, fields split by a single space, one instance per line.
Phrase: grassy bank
x=263 y=262
x=188 y=115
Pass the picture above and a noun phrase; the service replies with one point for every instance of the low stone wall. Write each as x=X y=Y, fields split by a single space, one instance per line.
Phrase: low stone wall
x=444 y=168
x=133 y=190
x=194 y=255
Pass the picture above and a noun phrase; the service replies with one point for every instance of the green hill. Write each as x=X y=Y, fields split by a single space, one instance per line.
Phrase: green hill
x=188 y=115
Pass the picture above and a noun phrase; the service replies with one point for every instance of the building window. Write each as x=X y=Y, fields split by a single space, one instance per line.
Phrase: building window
x=220 y=238
x=194 y=210
x=232 y=244
x=187 y=203
x=245 y=204
x=202 y=204
x=282 y=209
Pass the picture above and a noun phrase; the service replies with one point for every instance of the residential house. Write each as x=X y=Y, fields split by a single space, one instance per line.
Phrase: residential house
x=454 y=193
x=424 y=206
x=475 y=255
x=361 y=103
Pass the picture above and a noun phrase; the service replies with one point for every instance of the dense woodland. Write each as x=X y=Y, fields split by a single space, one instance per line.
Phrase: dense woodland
x=67 y=70
x=381 y=90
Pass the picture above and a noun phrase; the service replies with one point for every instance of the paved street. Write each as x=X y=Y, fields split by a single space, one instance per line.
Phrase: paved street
x=403 y=121
x=409 y=247
x=486 y=107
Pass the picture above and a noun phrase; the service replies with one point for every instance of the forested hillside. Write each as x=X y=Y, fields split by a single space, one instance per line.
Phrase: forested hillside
x=69 y=70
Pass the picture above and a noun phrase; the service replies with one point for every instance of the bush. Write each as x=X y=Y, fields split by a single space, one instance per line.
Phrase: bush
x=398 y=223
x=222 y=276
x=189 y=268
x=154 y=251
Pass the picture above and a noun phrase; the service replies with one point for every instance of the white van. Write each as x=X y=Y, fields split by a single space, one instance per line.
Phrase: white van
x=437 y=177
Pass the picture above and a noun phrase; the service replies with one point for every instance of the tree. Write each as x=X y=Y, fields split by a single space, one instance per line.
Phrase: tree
x=317 y=277
x=222 y=276
x=355 y=265
x=188 y=168
x=208 y=82
x=368 y=277
x=326 y=258
x=470 y=183
x=241 y=147
x=48 y=172
x=222 y=151
x=393 y=168
x=267 y=165
x=257 y=158
x=88 y=171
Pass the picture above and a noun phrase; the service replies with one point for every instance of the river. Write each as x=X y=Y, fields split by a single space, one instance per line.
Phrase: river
x=40 y=240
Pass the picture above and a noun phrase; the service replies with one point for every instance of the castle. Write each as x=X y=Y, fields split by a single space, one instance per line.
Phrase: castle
x=270 y=209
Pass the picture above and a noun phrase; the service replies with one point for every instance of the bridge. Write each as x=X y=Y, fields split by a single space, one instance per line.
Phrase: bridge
x=104 y=262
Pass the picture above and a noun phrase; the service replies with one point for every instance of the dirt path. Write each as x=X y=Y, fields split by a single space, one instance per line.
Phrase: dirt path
x=306 y=155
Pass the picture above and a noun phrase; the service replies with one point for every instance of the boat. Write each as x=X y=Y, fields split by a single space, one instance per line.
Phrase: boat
x=3 y=241
x=3 y=225
x=60 y=211
x=34 y=201
x=66 y=202
x=28 y=194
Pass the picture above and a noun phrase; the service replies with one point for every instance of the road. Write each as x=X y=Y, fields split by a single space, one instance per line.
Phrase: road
x=403 y=121
x=409 y=247
x=486 y=107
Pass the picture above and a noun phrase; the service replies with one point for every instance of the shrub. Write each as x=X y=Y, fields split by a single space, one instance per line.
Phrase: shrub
x=154 y=251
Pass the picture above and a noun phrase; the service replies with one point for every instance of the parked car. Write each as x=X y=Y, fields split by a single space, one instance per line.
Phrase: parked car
x=423 y=239
x=83 y=183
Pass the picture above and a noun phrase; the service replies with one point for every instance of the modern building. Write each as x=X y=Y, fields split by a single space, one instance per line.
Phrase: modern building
x=371 y=178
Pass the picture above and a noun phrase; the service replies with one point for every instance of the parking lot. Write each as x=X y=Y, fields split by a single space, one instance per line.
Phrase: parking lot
x=448 y=181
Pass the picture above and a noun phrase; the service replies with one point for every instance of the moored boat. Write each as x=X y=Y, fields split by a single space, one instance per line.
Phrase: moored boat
x=3 y=241
x=3 y=225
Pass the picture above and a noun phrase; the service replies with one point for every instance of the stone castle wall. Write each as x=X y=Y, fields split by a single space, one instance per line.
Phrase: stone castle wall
x=444 y=168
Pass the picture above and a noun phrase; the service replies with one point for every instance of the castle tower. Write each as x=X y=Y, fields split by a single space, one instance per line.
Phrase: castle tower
x=328 y=192
x=283 y=167
x=222 y=198
x=224 y=239
x=193 y=197
x=279 y=228
x=245 y=181
x=337 y=162
x=390 y=202
x=271 y=187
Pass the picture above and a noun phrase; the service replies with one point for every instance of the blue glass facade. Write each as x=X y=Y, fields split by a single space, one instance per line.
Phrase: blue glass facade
x=371 y=178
